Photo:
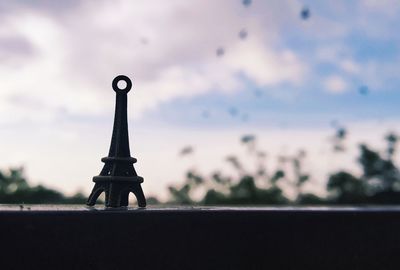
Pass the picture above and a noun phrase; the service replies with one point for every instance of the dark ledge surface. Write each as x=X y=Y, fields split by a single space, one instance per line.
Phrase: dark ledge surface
x=20 y=208
x=77 y=237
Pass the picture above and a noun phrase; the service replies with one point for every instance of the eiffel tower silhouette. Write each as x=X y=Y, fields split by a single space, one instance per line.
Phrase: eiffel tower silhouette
x=118 y=177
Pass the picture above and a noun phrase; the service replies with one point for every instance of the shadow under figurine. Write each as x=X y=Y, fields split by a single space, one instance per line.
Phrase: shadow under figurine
x=118 y=177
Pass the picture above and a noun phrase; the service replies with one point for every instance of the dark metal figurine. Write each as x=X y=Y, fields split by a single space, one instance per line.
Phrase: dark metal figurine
x=118 y=177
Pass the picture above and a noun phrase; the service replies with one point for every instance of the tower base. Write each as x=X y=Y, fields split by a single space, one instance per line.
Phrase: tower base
x=117 y=190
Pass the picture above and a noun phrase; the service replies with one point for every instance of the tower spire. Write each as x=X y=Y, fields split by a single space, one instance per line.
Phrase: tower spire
x=118 y=177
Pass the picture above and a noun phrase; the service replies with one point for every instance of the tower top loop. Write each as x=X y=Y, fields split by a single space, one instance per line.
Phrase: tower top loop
x=122 y=78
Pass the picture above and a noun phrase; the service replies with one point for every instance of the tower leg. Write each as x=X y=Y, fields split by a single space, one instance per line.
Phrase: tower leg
x=117 y=194
x=94 y=195
x=125 y=198
x=114 y=195
x=138 y=191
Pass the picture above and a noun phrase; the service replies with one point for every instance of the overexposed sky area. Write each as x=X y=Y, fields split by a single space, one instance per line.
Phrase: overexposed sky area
x=204 y=73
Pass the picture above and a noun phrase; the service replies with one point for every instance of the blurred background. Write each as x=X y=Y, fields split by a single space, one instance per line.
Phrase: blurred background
x=233 y=101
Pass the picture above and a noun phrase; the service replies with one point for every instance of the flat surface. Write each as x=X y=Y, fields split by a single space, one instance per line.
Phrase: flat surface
x=66 y=237
x=82 y=208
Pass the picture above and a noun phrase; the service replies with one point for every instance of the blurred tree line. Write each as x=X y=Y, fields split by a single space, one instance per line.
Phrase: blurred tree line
x=378 y=182
x=15 y=189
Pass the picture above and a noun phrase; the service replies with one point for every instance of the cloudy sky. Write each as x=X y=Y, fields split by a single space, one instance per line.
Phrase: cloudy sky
x=204 y=73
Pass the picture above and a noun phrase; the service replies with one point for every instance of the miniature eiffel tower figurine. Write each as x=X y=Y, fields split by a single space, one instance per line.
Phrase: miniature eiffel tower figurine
x=118 y=177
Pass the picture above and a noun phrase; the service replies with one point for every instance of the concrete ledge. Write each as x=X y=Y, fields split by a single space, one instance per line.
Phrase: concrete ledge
x=44 y=237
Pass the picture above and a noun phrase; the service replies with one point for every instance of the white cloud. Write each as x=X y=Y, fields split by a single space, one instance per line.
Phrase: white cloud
x=77 y=54
x=335 y=84
x=264 y=66
x=349 y=66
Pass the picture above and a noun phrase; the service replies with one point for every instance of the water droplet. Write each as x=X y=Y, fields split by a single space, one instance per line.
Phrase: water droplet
x=246 y=3
x=220 y=52
x=305 y=13
x=243 y=34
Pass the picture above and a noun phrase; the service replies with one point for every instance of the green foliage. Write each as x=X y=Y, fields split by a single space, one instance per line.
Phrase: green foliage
x=247 y=187
x=379 y=182
x=14 y=188
x=346 y=188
